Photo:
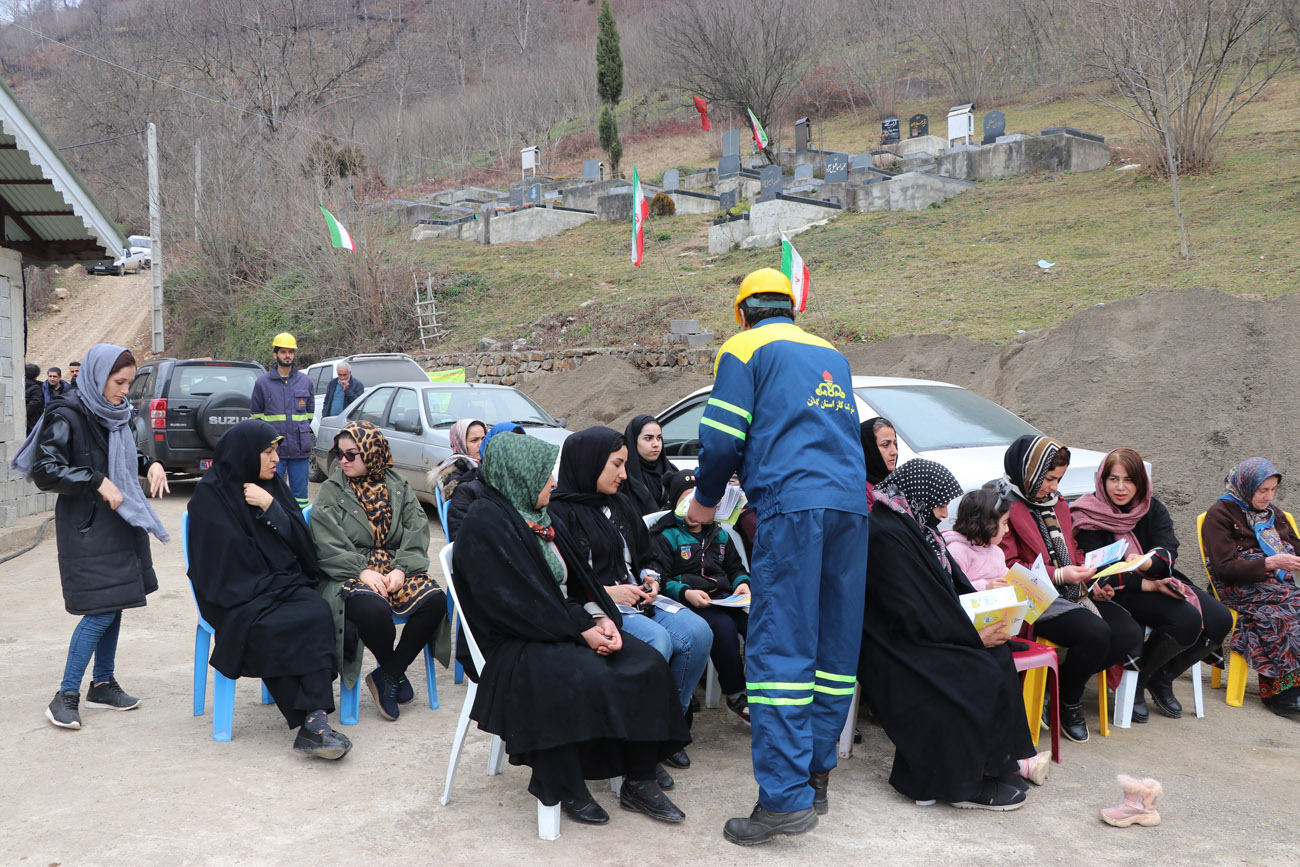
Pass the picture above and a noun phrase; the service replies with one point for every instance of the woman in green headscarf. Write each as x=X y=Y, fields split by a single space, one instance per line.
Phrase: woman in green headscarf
x=572 y=697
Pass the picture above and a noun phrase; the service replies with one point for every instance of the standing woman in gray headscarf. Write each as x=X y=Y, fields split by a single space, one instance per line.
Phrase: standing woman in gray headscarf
x=84 y=450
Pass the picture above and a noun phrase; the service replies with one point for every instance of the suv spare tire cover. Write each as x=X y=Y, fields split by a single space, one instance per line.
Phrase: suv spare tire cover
x=219 y=413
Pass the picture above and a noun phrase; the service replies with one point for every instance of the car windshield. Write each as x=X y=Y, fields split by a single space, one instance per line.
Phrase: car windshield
x=376 y=371
x=489 y=405
x=202 y=380
x=930 y=417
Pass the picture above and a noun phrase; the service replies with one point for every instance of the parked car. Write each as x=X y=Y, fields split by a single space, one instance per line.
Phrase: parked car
x=372 y=368
x=182 y=407
x=946 y=423
x=131 y=259
x=417 y=418
x=142 y=244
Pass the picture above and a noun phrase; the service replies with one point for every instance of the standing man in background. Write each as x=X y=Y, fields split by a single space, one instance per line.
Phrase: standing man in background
x=74 y=370
x=283 y=398
x=782 y=413
x=33 y=395
x=54 y=385
x=342 y=390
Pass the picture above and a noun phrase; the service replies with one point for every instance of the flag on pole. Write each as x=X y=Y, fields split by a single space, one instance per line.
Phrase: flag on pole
x=793 y=267
x=640 y=211
x=703 y=108
x=760 y=136
x=339 y=236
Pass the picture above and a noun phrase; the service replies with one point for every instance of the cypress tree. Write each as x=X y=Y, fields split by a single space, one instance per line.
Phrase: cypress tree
x=609 y=82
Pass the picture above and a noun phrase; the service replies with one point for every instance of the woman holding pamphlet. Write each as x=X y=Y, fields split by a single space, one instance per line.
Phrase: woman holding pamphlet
x=947 y=695
x=1187 y=624
x=1097 y=632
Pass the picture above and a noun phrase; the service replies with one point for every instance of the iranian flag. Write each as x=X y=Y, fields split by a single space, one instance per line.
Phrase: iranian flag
x=793 y=267
x=640 y=211
x=760 y=137
x=703 y=108
x=339 y=236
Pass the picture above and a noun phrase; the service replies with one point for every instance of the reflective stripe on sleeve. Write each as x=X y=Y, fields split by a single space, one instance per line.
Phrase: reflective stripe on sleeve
x=728 y=429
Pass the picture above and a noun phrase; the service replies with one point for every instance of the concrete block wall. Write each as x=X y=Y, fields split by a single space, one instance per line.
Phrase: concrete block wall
x=18 y=497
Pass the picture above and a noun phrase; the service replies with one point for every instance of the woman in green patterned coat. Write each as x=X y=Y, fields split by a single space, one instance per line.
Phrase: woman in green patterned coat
x=372 y=542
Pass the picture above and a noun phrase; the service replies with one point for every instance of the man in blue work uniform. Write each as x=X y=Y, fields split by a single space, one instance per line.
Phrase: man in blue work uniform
x=283 y=397
x=782 y=414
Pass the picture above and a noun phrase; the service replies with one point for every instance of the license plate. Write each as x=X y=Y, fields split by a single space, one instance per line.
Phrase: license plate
x=205 y=463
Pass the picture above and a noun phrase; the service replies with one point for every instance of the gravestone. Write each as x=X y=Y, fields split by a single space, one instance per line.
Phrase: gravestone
x=860 y=162
x=918 y=126
x=729 y=199
x=889 y=131
x=729 y=167
x=516 y=197
x=769 y=183
x=837 y=168
x=803 y=179
x=534 y=194
x=995 y=124
x=529 y=158
x=1069 y=130
x=802 y=135
x=671 y=179
x=731 y=143
x=961 y=123
x=590 y=171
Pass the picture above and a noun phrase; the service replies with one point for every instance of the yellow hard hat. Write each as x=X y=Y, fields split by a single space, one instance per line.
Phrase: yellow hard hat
x=284 y=340
x=763 y=281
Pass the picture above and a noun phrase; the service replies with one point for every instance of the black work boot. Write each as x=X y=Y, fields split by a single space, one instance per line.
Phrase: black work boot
x=820 y=783
x=762 y=825
x=1072 y=723
x=1159 y=650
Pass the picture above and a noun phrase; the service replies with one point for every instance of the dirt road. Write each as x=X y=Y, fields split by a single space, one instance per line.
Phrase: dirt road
x=104 y=310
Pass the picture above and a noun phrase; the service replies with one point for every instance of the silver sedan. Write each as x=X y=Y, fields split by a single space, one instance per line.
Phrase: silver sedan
x=417 y=418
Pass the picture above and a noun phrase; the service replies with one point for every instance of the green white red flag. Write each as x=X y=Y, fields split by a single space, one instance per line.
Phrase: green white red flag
x=793 y=267
x=640 y=211
x=339 y=236
x=760 y=136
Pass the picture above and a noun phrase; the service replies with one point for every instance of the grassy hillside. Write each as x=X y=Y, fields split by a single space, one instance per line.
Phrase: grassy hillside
x=967 y=267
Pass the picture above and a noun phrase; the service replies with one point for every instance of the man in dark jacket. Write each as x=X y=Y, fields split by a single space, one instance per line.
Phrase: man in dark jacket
x=33 y=395
x=342 y=390
x=54 y=386
x=283 y=398
x=74 y=370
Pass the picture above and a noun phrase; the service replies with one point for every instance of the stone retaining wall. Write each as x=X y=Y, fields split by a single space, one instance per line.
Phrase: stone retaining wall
x=512 y=367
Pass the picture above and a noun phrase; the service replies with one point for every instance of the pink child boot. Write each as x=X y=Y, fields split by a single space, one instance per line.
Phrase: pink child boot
x=1138 y=806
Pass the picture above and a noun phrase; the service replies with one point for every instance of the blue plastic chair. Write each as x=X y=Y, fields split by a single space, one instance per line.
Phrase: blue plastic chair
x=223 y=688
x=443 y=507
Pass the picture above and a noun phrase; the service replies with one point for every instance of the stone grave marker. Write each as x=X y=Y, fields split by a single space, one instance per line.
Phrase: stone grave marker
x=961 y=123
x=802 y=135
x=729 y=167
x=534 y=194
x=590 y=171
x=529 y=158
x=729 y=199
x=803 y=179
x=731 y=143
x=516 y=197
x=769 y=183
x=672 y=178
x=889 y=131
x=860 y=162
x=918 y=126
x=995 y=124
x=837 y=168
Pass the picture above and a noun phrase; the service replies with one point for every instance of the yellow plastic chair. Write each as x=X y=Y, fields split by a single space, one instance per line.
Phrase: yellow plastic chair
x=1237 y=665
x=1103 y=702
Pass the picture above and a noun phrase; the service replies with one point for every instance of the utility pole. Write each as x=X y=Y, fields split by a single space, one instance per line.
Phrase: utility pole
x=155 y=239
x=198 y=185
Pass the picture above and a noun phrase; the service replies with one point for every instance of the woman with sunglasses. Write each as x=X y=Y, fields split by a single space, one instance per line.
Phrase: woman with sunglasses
x=372 y=541
x=1187 y=624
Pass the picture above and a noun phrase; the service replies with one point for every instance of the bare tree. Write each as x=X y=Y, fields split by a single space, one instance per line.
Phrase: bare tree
x=1182 y=69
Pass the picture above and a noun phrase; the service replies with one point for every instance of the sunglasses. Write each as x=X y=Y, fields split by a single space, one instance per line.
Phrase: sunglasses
x=350 y=455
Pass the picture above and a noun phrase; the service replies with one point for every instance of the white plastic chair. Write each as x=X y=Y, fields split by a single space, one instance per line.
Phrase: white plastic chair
x=548 y=818
x=1126 y=694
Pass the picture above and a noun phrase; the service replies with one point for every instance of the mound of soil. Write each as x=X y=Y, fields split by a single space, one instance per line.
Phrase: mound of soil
x=609 y=391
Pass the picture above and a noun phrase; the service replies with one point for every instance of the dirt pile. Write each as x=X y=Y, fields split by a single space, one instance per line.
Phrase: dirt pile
x=609 y=391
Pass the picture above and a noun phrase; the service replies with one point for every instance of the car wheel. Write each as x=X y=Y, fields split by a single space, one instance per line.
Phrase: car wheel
x=314 y=472
x=119 y=270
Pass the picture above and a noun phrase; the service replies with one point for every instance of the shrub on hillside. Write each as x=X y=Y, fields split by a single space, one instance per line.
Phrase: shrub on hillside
x=662 y=205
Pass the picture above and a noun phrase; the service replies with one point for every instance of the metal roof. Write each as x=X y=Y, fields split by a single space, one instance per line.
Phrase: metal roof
x=46 y=211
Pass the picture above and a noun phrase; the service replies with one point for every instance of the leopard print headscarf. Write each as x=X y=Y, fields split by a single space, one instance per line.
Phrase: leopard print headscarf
x=371 y=489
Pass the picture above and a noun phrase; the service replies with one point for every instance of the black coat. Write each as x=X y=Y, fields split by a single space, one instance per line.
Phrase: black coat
x=469 y=487
x=609 y=564
x=104 y=562
x=1155 y=529
x=953 y=708
x=35 y=400
x=351 y=393
x=543 y=686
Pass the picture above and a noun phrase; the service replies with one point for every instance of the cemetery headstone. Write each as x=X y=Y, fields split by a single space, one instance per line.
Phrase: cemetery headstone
x=590 y=170
x=671 y=179
x=534 y=194
x=803 y=179
x=918 y=126
x=529 y=158
x=731 y=143
x=837 y=168
x=860 y=162
x=729 y=199
x=769 y=183
x=961 y=123
x=729 y=167
x=802 y=135
x=516 y=197
x=995 y=124
x=889 y=131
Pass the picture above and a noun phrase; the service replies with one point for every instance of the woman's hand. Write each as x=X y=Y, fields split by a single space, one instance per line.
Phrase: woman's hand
x=651 y=588
x=111 y=493
x=626 y=594
x=1166 y=586
x=603 y=637
x=1077 y=575
x=742 y=589
x=1103 y=592
x=994 y=634
x=696 y=598
x=1289 y=562
x=1145 y=567
x=394 y=580
x=374 y=580
x=157 y=480
x=257 y=496
x=996 y=583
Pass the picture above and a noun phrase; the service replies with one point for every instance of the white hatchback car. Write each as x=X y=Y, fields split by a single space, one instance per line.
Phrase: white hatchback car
x=940 y=421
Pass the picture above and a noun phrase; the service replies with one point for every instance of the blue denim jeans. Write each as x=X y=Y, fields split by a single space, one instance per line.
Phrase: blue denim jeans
x=96 y=635
x=683 y=638
x=294 y=471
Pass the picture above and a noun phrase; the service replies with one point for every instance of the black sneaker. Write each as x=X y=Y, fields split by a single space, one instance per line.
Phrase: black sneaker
x=316 y=738
x=679 y=760
x=994 y=796
x=384 y=692
x=585 y=811
x=111 y=696
x=820 y=783
x=739 y=706
x=405 y=692
x=645 y=796
x=762 y=825
x=63 y=710
x=663 y=778
x=1072 y=723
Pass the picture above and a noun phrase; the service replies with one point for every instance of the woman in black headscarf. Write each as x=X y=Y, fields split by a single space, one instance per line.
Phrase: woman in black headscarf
x=572 y=696
x=947 y=695
x=647 y=468
x=254 y=571
x=880 y=448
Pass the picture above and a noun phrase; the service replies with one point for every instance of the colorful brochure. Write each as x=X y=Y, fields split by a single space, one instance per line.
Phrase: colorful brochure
x=1124 y=566
x=1033 y=587
x=737 y=600
x=1112 y=553
x=1000 y=605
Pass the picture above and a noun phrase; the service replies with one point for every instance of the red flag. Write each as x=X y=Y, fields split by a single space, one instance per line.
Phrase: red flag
x=703 y=108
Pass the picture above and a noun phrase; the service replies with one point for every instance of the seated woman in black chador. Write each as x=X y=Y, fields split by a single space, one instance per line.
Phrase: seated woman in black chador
x=253 y=567
x=572 y=696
